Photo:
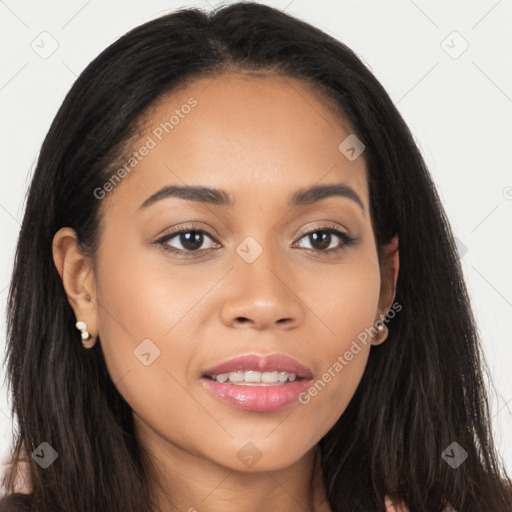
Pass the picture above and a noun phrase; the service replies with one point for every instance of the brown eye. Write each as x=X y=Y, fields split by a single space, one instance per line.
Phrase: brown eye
x=323 y=239
x=188 y=241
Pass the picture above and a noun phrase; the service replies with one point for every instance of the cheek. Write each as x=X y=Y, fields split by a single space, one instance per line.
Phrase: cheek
x=141 y=296
x=348 y=308
x=148 y=318
x=345 y=299
x=137 y=309
x=143 y=351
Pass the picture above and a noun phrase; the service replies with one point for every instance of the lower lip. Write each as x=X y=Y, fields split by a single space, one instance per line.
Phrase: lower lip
x=258 y=398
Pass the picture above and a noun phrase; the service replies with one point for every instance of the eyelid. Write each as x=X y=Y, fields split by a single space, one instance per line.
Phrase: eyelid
x=190 y=226
x=325 y=226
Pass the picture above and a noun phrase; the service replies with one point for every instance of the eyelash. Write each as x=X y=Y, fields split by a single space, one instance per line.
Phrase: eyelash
x=330 y=228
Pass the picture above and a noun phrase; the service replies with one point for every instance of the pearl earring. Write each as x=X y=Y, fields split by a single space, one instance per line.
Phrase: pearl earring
x=382 y=334
x=82 y=327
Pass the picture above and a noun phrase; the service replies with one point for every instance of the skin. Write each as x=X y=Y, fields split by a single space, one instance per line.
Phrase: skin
x=260 y=139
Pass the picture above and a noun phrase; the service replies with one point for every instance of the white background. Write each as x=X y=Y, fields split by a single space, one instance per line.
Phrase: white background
x=459 y=110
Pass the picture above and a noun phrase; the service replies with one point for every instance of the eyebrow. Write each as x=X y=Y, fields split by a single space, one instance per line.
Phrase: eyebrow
x=219 y=197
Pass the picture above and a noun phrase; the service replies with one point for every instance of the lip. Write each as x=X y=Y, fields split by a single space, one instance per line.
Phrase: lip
x=257 y=398
x=261 y=363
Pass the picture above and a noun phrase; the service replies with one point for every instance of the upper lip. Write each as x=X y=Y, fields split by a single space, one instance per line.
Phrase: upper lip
x=259 y=363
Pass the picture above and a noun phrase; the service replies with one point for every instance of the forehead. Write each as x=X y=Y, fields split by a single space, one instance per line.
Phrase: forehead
x=257 y=137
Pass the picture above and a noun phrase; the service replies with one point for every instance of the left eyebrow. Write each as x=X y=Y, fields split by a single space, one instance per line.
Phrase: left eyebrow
x=222 y=198
x=320 y=192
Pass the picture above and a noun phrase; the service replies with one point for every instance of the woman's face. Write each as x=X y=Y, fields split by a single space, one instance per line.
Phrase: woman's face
x=264 y=278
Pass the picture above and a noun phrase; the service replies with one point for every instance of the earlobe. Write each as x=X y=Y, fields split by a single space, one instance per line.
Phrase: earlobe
x=77 y=275
x=389 y=276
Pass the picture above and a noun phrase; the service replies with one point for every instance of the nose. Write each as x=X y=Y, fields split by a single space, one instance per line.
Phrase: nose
x=263 y=294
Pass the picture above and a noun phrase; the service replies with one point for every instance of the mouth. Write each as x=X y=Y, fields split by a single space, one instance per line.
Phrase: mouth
x=254 y=369
x=258 y=383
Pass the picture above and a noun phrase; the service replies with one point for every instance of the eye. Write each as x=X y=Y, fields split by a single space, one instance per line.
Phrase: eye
x=323 y=241
x=191 y=241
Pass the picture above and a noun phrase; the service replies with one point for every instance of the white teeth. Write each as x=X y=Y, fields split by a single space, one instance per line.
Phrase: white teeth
x=269 y=377
x=251 y=376
x=254 y=378
x=236 y=376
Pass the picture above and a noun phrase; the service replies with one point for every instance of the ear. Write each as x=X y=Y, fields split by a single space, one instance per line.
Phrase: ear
x=77 y=274
x=389 y=274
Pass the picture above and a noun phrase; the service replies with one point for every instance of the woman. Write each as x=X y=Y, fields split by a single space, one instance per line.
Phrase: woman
x=231 y=215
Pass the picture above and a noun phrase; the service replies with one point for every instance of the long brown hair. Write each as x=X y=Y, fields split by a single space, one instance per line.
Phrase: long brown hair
x=422 y=390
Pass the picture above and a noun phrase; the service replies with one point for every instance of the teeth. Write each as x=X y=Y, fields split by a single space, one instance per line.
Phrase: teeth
x=236 y=376
x=282 y=376
x=254 y=378
x=268 y=377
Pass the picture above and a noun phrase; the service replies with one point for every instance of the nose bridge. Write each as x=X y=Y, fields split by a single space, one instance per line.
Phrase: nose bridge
x=263 y=294
x=259 y=263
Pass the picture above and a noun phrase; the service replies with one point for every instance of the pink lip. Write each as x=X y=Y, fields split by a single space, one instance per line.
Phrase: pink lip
x=268 y=363
x=257 y=398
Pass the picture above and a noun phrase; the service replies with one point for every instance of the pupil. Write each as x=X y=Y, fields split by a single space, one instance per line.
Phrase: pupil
x=325 y=237
x=193 y=242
